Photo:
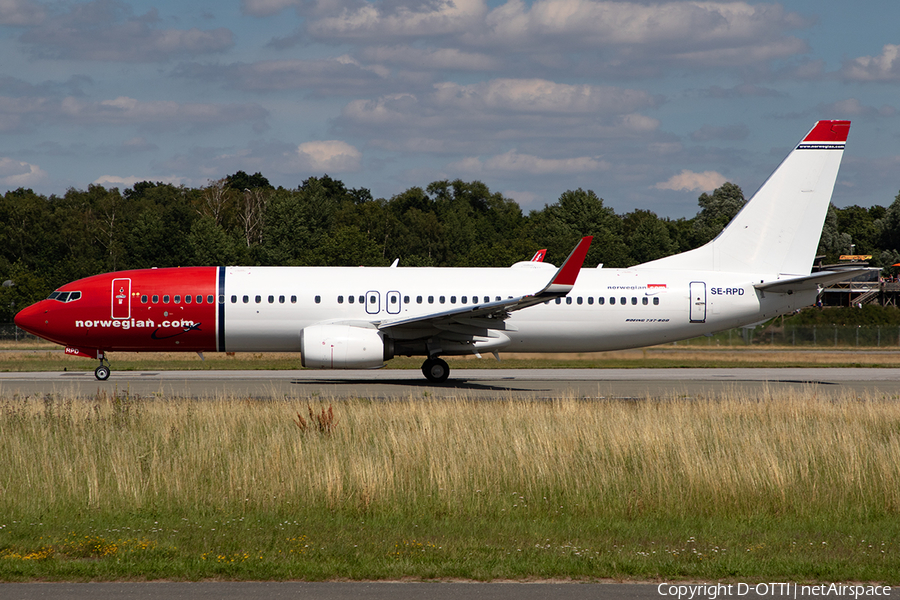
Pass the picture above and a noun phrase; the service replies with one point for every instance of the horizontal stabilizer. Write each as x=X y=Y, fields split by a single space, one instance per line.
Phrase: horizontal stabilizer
x=809 y=282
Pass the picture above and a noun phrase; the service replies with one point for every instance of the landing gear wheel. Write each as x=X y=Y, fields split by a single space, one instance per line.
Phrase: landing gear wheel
x=436 y=370
x=102 y=372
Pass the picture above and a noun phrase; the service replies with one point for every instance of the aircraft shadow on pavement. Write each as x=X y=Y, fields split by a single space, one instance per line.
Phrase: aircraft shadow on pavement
x=451 y=384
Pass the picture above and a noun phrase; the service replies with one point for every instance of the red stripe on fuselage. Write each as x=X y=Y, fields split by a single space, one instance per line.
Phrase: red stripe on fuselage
x=150 y=326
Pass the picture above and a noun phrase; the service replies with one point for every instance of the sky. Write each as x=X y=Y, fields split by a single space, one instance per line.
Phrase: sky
x=649 y=104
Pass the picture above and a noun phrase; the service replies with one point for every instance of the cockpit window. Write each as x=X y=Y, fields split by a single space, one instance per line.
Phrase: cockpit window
x=64 y=296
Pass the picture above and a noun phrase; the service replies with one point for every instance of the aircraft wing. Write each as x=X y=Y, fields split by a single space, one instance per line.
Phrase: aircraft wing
x=477 y=318
x=807 y=282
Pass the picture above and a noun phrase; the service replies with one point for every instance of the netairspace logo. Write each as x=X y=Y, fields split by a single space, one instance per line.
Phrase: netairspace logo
x=712 y=591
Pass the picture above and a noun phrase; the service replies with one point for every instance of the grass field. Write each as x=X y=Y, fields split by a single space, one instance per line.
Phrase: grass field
x=770 y=488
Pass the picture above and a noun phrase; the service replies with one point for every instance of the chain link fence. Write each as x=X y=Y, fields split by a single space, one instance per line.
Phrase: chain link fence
x=819 y=336
x=9 y=332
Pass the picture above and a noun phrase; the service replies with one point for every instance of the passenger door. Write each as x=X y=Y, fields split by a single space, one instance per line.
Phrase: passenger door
x=698 y=302
x=121 y=298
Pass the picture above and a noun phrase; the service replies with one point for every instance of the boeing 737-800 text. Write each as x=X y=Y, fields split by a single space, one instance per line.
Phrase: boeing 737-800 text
x=358 y=317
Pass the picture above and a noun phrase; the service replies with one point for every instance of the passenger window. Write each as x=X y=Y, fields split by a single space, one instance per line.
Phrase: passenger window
x=188 y=299
x=612 y=300
x=246 y=299
x=177 y=298
x=351 y=299
x=601 y=300
x=165 y=299
x=487 y=299
x=633 y=300
x=580 y=300
x=318 y=299
x=430 y=299
x=234 y=299
x=271 y=299
x=568 y=300
x=258 y=299
x=393 y=299
x=293 y=299
x=144 y=299
x=340 y=299
x=464 y=300
x=442 y=299
x=452 y=299
x=645 y=301
x=221 y=299
x=373 y=300
x=280 y=299
x=155 y=298
x=405 y=299
x=623 y=300
x=200 y=299
x=558 y=301
x=362 y=299
x=656 y=301
x=209 y=299
x=496 y=298
x=418 y=299
x=590 y=299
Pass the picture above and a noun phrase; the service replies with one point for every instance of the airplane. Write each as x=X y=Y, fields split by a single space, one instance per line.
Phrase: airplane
x=757 y=268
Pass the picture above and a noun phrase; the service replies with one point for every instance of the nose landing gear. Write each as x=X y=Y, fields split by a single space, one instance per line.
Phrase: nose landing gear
x=436 y=370
x=102 y=372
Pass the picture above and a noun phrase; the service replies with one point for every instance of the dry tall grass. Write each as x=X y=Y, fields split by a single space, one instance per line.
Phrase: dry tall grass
x=792 y=454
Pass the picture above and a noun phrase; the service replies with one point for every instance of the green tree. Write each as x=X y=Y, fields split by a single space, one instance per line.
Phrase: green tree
x=646 y=236
x=559 y=226
x=716 y=211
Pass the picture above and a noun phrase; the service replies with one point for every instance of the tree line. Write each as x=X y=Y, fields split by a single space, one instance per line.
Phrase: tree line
x=242 y=219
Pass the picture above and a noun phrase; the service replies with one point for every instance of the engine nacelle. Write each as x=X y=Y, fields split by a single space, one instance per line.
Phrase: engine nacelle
x=343 y=347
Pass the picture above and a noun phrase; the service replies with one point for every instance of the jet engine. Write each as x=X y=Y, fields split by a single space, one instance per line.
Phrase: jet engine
x=343 y=347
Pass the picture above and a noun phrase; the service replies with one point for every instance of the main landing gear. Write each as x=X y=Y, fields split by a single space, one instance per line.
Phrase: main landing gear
x=436 y=370
x=102 y=372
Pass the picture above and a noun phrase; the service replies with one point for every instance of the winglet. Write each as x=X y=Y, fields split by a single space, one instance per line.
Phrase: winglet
x=565 y=278
x=539 y=256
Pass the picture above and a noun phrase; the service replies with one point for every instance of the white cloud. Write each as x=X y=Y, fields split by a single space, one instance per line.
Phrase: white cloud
x=688 y=25
x=440 y=17
x=539 y=96
x=884 y=67
x=127 y=182
x=267 y=8
x=19 y=13
x=513 y=162
x=161 y=113
x=428 y=58
x=333 y=156
x=106 y=30
x=689 y=181
x=16 y=174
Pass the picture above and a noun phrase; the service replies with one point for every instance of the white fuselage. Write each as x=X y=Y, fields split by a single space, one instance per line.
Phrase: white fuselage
x=266 y=308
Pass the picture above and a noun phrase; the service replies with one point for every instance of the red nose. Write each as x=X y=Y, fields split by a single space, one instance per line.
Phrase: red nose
x=34 y=319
